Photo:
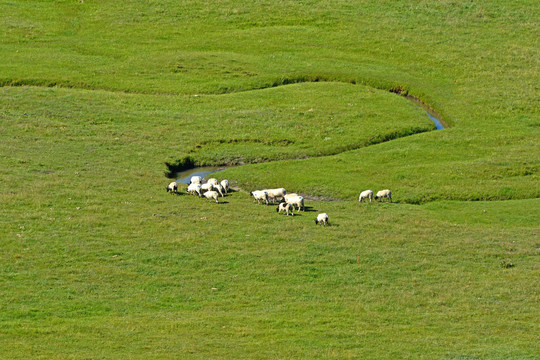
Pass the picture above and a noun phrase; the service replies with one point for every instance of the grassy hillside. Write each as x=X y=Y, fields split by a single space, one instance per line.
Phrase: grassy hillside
x=301 y=120
x=474 y=62
x=98 y=261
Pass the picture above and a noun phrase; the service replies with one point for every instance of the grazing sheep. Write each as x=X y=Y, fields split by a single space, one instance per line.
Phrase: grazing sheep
x=287 y=196
x=322 y=218
x=212 y=195
x=172 y=187
x=213 y=181
x=276 y=194
x=295 y=200
x=368 y=194
x=194 y=188
x=195 y=180
x=219 y=189
x=259 y=195
x=225 y=184
x=207 y=187
x=384 y=194
x=283 y=206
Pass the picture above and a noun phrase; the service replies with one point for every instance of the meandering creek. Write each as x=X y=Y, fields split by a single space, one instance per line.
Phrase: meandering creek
x=184 y=176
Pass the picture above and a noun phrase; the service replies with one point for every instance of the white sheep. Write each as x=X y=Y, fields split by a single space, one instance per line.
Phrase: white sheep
x=292 y=195
x=295 y=200
x=322 y=218
x=368 y=194
x=195 y=180
x=285 y=207
x=384 y=194
x=172 y=187
x=207 y=187
x=276 y=194
x=213 y=181
x=225 y=184
x=259 y=195
x=194 y=188
x=219 y=189
x=212 y=195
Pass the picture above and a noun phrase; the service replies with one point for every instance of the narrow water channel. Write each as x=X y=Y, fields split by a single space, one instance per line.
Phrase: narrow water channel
x=184 y=176
x=436 y=118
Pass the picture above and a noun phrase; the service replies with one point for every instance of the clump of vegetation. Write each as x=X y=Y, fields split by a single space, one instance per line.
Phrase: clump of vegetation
x=507 y=264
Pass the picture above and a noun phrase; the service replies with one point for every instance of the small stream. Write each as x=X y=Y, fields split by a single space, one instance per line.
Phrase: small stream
x=436 y=118
x=184 y=176
x=435 y=121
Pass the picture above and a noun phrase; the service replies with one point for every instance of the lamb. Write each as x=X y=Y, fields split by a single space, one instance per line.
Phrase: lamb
x=195 y=180
x=276 y=194
x=225 y=184
x=173 y=187
x=295 y=200
x=283 y=206
x=212 y=195
x=368 y=194
x=322 y=218
x=219 y=189
x=194 y=188
x=213 y=181
x=384 y=193
x=259 y=195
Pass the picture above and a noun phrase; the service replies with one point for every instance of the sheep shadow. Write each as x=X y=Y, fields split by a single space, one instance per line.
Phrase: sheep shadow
x=176 y=193
x=297 y=214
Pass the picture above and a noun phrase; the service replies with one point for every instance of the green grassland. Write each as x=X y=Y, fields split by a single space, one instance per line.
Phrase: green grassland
x=97 y=261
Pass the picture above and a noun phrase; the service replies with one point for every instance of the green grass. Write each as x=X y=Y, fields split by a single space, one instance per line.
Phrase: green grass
x=98 y=261
x=300 y=120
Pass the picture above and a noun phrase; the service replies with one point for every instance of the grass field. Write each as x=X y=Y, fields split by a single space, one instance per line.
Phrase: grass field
x=97 y=261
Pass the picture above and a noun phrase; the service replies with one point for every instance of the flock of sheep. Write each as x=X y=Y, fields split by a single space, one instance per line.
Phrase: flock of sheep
x=212 y=189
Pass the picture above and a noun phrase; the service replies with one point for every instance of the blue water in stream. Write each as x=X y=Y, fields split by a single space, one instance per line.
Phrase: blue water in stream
x=435 y=121
x=184 y=177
